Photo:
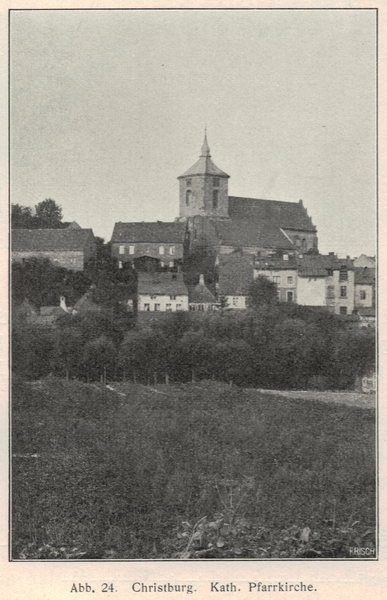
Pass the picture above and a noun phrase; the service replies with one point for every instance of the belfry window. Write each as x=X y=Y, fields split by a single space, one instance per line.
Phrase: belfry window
x=216 y=181
x=188 y=195
x=215 y=198
x=188 y=182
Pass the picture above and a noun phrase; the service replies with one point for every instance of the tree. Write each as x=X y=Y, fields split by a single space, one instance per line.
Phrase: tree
x=48 y=214
x=21 y=217
x=262 y=291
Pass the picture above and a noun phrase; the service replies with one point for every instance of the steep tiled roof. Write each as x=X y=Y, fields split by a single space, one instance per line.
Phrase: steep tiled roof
x=45 y=240
x=364 y=276
x=251 y=233
x=318 y=265
x=235 y=274
x=157 y=232
x=201 y=294
x=161 y=283
x=287 y=215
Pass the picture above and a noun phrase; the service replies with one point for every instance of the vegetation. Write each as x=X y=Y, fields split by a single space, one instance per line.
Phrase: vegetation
x=48 y=215
x=280 y=347
x=199 y=470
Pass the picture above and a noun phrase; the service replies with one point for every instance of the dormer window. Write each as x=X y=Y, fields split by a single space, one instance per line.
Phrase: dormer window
x=188 y=182
x=216 y=181
x=215 y=198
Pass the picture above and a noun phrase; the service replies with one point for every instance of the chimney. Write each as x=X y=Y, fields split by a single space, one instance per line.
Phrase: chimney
x=63 y=303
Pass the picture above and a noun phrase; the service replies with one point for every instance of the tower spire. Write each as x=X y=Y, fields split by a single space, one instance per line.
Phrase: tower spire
x=205 y=147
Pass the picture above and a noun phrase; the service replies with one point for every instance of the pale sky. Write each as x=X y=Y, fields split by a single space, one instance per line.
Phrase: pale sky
x=109 y=107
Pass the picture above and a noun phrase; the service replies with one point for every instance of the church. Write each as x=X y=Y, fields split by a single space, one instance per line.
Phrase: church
x=211 y=222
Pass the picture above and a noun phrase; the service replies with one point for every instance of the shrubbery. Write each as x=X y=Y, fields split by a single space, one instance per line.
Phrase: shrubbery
x=278 y=347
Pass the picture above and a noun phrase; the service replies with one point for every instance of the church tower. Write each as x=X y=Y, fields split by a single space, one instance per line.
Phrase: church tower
x=204 y=188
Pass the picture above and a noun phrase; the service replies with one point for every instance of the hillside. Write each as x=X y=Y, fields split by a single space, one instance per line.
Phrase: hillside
x=202 y=470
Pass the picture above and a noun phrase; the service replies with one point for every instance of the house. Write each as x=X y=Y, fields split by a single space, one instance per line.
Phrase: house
x=217 y=221
x=150 y=246
x=364 y=287
x=161 y=292
x=364 y=261
x=283 y=272
x=200 y=297
x=69 y=248
x=326 y=281
x=235 y=275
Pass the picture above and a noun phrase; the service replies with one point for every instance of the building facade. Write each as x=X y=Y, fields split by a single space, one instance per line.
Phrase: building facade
x=69 y=248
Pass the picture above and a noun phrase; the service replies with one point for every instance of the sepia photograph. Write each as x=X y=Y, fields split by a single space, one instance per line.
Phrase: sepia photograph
x=193 y=289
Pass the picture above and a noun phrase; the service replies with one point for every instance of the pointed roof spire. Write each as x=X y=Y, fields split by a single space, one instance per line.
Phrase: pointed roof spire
x=205 y=147
x=204 y=166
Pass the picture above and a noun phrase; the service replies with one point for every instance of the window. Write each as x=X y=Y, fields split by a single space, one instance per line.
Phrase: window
x=330 y=291
x=171 y=264
x=289 y=296
x=195 y=234
x=343 y=273
x=215 y=198
x=131 y=249
x=343 y=291
x=161 y=249
x=330 y=272
x=178 y=306
x=168 y=307
x=216 y=181
x=188 y=197
x=235 y=301
x=172 y=250
x=277 y=279
x=147 y=307
x=363 y=295
x=120 y=264
x=172 y=297
x=162 y=265
x=157 y=307
x=188 y=182
x=290 y=279
x=343 y=310
x=121 y=250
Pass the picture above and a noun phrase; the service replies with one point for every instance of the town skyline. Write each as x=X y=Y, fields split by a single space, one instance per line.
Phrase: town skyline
x=104 y=122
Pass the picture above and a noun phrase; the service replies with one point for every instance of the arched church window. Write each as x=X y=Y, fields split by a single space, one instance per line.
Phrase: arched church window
x=215 y=198
x=188 y=197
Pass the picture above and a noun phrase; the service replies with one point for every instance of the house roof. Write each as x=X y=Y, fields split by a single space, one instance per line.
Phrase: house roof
x=318 y=265
x=204 y=166
x=86 y=304
x=157 y=232
x=161 y=284
x=235 y=274
x=251 y=233
x=275 y=263
x=201 y=294
x=41 y=240
x=271 y=213
x=364 y=276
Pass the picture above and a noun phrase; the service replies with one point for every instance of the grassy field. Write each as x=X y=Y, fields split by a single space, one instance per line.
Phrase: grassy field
x=199 y=471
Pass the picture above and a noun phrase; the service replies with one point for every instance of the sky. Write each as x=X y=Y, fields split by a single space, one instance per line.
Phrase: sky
x=108 y=108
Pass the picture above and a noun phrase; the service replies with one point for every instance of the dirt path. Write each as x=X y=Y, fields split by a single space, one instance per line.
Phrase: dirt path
x=349 y=398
